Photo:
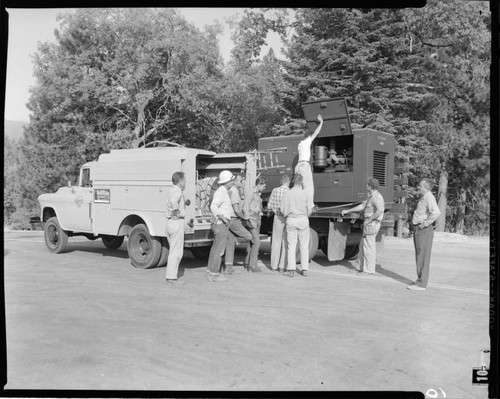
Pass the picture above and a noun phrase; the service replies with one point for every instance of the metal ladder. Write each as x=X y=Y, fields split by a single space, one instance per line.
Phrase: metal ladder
x=268 y=159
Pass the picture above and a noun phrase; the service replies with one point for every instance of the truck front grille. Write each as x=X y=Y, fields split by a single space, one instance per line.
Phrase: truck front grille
x=380 y=167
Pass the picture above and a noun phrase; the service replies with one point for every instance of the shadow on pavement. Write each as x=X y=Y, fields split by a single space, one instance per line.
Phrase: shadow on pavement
x=326 y=263
x=393 y=275
x=114 y=253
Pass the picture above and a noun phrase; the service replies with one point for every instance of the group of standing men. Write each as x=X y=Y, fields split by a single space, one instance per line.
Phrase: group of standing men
x=292 y=208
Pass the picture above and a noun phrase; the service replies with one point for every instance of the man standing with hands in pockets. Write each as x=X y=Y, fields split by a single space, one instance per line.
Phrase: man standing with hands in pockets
x=424 y=216
x=297 y=211
x=174 y=226
x=278 y=239
x=373 y=211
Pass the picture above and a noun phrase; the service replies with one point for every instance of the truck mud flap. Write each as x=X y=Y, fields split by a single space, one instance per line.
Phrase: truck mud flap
x=337 y=239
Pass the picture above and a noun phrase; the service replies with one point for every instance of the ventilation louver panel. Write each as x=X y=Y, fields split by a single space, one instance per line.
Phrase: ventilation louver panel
x=380 y=167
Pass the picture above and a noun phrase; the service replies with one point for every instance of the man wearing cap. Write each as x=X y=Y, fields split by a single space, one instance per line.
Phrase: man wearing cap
x=222 y=210
x=236 y=228
x=424 y=216
x=278 y=239
x=373 y=210
x=174 y=226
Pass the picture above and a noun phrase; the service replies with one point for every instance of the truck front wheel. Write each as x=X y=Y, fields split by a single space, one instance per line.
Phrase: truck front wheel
x=56 y=238
x=112 y=242
x=165 y=249
x=143 y=249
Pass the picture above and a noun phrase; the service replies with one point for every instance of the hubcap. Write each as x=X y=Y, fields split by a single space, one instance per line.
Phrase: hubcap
x=143 y=246
x=53 y=236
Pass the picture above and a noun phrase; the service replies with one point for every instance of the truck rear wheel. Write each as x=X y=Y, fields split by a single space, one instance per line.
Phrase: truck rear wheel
x=201 y=253
x=143 y=249
x=351 y=252
x=112 y=242
x=313 y=245
x=56 y=238
x=165 y=250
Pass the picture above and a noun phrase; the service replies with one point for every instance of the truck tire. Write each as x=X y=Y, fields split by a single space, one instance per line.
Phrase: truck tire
x=323 y=245
x=144 y=250
x=201 y=253
x=56 y=238
x=165 y=250
x=313 y=246
x=112 y=242
x=351 y=252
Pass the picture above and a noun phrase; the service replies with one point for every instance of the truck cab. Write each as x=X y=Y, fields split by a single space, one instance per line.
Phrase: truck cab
x=71 y=204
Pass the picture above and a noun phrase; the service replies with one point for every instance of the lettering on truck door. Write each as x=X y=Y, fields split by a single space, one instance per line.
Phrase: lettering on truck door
x=80 y=209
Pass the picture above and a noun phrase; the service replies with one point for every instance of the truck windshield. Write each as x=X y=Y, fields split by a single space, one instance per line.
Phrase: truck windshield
x=86 y=182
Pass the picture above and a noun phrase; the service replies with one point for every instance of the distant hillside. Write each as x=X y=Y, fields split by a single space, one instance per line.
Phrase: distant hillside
x=14 y=129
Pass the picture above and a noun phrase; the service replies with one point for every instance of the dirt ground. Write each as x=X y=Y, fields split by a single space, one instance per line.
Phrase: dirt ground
x=87 y=319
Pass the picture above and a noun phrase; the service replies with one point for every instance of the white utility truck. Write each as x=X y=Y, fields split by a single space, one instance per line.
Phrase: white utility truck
x=123 y=193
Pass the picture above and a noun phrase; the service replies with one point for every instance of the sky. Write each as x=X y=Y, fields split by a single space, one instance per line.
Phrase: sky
x=27 y=27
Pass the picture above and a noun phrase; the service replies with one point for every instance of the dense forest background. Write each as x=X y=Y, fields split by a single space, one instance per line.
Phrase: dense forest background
x=118 y=78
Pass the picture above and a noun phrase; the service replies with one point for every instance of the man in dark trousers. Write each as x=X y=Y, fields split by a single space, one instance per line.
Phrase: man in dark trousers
x=424 y=216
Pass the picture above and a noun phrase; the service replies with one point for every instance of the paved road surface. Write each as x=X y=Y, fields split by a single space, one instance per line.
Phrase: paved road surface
x=87 y=319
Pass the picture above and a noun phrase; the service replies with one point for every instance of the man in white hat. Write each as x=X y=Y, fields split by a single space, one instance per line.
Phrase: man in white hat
x=222 y=210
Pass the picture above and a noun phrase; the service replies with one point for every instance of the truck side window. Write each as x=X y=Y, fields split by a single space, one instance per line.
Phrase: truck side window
x=86 y=182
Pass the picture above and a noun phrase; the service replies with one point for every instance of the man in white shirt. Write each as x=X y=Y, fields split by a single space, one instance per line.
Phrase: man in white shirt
x=373 y=211
x=424 y=216
x=297 y=211
x=303 y=167
x=174 y=226
x=222 y=210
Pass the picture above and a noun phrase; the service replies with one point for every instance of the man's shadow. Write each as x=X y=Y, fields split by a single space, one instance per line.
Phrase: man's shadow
x=351 y=266
x=391 y=274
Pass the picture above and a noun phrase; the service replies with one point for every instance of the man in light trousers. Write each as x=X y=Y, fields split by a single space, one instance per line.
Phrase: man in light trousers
x=174 y=226
x=297 y=211
x=278 y=239
x=303 y=167
x=221 y=209
x=373 y=210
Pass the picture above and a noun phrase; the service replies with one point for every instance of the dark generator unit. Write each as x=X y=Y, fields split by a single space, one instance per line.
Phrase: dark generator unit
x=342 y=160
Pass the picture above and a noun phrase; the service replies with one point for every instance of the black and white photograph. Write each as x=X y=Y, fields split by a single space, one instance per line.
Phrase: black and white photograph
x=249 y=199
